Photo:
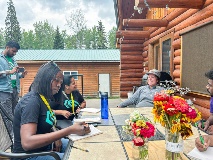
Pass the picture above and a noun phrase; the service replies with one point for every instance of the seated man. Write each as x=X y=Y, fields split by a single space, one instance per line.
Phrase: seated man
x=208 y=125
x=144 y=95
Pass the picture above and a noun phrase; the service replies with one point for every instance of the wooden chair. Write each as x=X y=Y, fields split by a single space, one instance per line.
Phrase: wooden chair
x=6 y=141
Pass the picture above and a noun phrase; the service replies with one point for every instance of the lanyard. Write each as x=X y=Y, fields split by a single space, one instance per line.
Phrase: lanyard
x=71 y=96
x=49 y=108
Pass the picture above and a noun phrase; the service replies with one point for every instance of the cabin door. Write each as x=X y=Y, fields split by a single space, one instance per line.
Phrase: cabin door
x=104 y=83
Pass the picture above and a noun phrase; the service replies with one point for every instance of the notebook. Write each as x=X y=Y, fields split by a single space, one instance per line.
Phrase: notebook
x=90 y=110
x=195 y=154
x=94 y=132
x=89 y=120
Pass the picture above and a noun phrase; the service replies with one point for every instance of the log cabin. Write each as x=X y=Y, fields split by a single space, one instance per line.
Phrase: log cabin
x=98 y=70
x=174 y=36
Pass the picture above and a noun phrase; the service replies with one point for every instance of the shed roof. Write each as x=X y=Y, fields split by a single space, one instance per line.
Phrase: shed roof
x=77 y=55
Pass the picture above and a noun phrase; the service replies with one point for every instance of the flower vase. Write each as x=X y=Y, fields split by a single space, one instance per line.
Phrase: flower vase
x=174 y=145
x=140 y=152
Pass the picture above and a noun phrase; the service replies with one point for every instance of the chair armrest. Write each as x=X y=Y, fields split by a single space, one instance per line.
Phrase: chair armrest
x=27 y=155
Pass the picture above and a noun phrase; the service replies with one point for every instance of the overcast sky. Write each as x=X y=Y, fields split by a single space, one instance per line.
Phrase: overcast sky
x=57 y=11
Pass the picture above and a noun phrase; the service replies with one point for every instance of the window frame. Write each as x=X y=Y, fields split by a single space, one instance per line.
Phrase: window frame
x=152 y=53
x=70 y=73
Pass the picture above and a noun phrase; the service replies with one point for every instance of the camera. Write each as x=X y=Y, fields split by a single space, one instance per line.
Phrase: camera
x=21 y=69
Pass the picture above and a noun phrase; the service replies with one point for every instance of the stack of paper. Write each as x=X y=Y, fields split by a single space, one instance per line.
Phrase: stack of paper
x=195 y=154
x=94 y=132
x=89 y=120
x=91 y=110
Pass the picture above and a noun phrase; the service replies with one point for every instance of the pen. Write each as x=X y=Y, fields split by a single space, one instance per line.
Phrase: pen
x=202 y=124
x=85 y=150
x=200 y=136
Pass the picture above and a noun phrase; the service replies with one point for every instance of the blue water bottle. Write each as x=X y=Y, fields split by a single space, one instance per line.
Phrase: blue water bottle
x=104 y=105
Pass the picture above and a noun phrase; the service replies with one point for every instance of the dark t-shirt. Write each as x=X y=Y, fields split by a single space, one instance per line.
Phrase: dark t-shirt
x=67 y=104
x=31 y=109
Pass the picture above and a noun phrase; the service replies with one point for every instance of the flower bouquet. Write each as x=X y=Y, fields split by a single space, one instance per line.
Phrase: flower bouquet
x=176 y=115
x=141 y=128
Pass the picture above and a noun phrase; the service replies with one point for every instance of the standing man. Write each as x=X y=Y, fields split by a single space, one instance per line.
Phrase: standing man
x=10 y=77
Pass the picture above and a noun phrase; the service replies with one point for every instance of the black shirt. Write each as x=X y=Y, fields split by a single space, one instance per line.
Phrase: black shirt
x=31 y=109
x=67 y=104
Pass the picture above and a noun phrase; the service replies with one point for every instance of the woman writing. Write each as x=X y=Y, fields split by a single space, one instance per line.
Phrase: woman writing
x=34 y=119
x=72 y=100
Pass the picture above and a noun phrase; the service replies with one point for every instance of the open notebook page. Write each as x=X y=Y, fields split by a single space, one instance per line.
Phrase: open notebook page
x=94 y=132
x=195 y=154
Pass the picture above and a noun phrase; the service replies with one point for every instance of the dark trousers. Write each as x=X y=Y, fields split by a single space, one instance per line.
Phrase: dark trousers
x=8 y=102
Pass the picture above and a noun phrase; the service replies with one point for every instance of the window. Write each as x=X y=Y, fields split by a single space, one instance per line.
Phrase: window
x=161 y=54
x=71 y=73
x=166 y=50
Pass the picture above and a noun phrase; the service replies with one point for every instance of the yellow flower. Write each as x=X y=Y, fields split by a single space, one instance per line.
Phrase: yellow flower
x=141 y=123
x=176 y=127
x=186 y=131
x=169 y=91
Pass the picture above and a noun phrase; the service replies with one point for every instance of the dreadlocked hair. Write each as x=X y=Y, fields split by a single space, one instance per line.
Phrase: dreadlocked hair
x=43 y=80
x=209 y=74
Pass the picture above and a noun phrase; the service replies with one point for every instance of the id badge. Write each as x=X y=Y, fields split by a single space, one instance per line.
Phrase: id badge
x=13 y=77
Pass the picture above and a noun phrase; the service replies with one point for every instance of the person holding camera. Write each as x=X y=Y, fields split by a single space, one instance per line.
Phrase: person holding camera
x=10 y=79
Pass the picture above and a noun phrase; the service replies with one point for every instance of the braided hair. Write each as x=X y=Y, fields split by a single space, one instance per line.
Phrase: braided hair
x=43 y=80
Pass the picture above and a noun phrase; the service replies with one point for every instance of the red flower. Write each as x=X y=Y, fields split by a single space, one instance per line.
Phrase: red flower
x=181 y=105
x=138 y=141
x=192 y=114
x=149 y=131
x=170 y=109
x=161 y=97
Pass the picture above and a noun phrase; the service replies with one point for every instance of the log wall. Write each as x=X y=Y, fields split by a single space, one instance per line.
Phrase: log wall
x=179 y=20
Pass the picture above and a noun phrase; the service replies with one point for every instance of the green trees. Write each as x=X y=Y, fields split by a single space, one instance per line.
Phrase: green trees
x=58 y=40
x=12 y=29
x=101 y=36
x=44 y=36
x=112 y=38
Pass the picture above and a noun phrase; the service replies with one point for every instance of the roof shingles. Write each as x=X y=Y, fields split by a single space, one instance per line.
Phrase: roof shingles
x=103 y=55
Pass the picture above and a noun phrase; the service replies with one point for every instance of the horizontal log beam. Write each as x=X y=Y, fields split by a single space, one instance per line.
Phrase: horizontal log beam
x=131 y=41
x=138 y=53
x=130 y=47
x=196 y=4
x=132 y=34
x=131 y=66
x=131 y=58
x=145 y=23
x=204 y=112
x=129 y=70
x=129 y=75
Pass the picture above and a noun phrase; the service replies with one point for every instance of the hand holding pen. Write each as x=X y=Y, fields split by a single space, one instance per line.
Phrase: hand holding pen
x=202 y=142
x=202 y=146
x=203 y=125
